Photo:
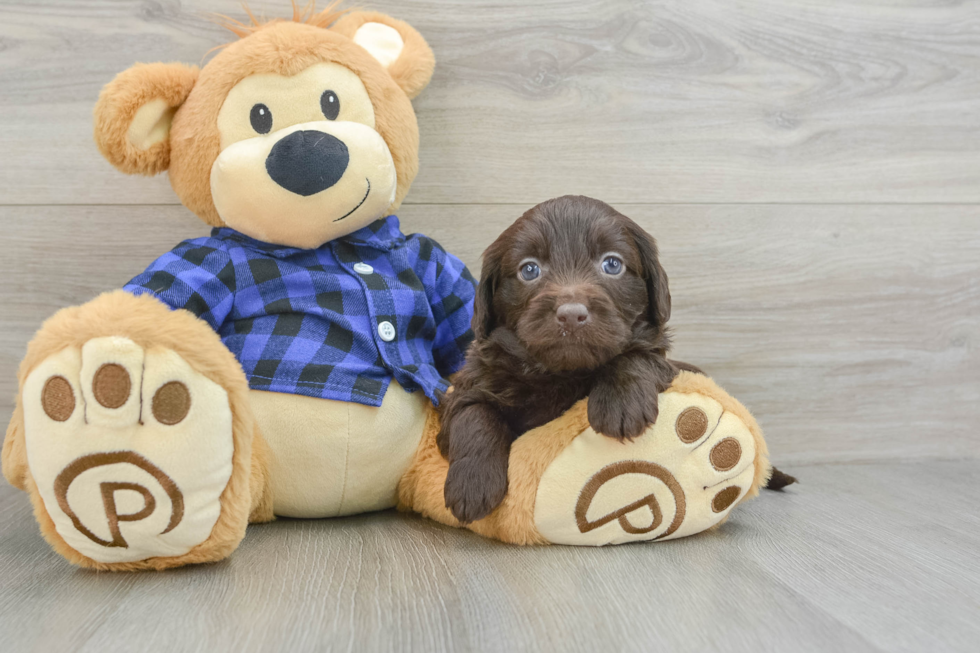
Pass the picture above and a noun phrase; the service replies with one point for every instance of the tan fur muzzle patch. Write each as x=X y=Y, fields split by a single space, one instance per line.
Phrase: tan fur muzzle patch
x=255 y=194
x=301 y=161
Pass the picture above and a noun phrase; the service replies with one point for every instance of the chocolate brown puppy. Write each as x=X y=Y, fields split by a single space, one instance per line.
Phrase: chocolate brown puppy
x=572 y=302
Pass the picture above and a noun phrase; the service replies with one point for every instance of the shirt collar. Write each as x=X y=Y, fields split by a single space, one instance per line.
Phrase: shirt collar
x=384 y=234
x=381 y=234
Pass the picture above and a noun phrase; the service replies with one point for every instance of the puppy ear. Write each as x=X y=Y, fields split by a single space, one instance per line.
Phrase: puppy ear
x=397 y=46
x=484 y=318
x=658 y=290
x=133 y=115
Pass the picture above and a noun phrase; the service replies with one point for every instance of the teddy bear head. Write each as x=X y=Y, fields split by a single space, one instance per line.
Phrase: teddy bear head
x=298 y=133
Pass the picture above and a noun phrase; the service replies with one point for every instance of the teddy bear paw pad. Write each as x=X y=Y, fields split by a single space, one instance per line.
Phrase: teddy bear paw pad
x=130 y=449
x=682 y=476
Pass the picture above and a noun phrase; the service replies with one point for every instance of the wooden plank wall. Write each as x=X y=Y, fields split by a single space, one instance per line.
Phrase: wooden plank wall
x=811 y=170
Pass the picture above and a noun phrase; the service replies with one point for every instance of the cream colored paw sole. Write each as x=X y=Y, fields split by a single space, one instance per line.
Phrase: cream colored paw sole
x=130 y=449
x=681 y=477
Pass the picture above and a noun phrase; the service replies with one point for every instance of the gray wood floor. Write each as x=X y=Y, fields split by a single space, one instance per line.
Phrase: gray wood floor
x=860 y=557
x=812 y=173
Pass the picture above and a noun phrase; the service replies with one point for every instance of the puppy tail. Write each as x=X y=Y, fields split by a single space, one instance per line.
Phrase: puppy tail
x=779 y=480
x=686 y=367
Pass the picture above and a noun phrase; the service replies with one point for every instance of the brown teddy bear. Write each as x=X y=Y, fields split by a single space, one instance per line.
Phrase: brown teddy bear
x=289 y=363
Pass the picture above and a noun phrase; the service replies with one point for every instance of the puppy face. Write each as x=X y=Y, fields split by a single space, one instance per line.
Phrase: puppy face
x=572 y=278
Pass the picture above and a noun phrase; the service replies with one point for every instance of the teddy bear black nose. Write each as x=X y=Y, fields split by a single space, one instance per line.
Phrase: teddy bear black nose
x=307 y=162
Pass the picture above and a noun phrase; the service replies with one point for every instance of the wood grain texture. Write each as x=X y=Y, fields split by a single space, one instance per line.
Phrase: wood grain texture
x=812 y=172
x=850 y=332
x=675 y=101
x=864 y=557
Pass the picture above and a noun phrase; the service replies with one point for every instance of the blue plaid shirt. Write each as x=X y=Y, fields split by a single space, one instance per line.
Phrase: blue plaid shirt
x=312 y=321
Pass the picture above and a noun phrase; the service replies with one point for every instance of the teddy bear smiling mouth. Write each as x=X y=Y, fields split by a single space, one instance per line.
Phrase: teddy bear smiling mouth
x=359 y=204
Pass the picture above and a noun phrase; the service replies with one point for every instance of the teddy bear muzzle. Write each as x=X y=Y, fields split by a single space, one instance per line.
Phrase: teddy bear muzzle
x=305 y=184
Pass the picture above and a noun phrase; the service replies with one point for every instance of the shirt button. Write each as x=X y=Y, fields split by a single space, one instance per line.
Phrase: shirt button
x=363 y=268
x=387 y=331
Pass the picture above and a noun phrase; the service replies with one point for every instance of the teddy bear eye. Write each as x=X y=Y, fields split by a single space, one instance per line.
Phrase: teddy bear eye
x=261 y=119
x=330 y=105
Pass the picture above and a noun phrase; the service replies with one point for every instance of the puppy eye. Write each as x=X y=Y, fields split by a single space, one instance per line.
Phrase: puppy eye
x=612 y=265
x=261 y=119
x=330 y=105
x=530 y=271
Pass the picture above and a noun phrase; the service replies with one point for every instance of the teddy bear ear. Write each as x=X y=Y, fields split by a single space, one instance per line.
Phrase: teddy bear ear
x=133 y=115
x=397 y=46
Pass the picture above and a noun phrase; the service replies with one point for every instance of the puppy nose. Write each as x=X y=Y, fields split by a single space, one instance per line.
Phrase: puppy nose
x=307 y=162
x=572 y=316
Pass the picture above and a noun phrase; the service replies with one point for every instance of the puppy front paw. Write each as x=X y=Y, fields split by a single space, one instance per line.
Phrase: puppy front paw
x=622 y=413
x=474 y=488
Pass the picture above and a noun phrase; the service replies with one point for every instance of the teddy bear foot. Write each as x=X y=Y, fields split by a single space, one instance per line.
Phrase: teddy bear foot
x=130 y=451
x=683 y=476
x=568 y=484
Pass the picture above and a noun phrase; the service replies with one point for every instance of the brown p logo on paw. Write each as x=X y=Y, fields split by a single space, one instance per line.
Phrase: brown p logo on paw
x=108 y=490
x=615 y=470
x=682 y=476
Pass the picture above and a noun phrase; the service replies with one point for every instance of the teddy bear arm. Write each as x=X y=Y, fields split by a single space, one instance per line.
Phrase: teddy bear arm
x=197 y=276
x=450 y=289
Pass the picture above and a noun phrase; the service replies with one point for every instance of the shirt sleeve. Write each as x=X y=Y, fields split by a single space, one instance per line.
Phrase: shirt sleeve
x=451 y=298
x=195 y=276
